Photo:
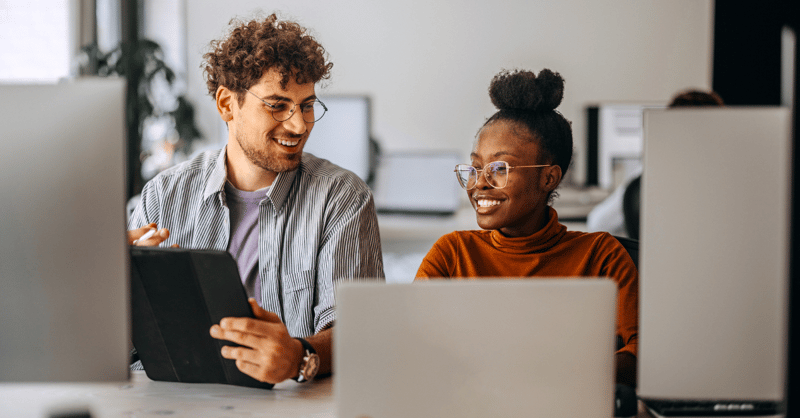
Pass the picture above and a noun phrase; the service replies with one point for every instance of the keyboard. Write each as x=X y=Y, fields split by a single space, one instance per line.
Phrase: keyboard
x=711 y=408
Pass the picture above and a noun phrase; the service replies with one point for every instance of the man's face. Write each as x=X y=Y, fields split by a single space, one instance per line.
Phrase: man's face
x=271 y=145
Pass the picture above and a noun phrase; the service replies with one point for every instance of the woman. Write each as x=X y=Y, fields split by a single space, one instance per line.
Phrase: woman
x=521 y=155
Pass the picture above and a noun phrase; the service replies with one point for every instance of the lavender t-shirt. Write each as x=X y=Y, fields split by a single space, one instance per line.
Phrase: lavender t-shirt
x=243 y=245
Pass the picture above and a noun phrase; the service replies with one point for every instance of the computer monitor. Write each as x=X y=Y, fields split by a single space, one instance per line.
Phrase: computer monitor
x=714 y=254
x=614 y=142
x=63 y=255
x=342 y=136
x=400 y=174
x=790 y=95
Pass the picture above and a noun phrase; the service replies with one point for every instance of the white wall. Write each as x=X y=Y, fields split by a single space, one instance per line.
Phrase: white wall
x=427 y=63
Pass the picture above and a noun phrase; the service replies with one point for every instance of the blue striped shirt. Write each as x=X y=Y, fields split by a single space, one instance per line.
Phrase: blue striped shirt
x=317 y=227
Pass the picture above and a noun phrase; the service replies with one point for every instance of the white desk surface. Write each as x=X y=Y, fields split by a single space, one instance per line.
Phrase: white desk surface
x=142 y=397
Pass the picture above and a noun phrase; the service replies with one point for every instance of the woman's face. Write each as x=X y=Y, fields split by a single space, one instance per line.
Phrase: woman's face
x=519 y=208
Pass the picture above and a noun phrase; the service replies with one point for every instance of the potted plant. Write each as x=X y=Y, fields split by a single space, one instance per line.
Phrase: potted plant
x=160 y=119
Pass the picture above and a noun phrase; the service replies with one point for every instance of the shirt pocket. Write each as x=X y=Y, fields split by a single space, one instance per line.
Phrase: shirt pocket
x=294 y=282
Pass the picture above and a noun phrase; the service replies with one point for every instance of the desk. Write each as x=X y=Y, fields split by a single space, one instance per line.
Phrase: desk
x=142 y=397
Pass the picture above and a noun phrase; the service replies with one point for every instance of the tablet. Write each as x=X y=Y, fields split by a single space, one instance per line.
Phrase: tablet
x=176 y=296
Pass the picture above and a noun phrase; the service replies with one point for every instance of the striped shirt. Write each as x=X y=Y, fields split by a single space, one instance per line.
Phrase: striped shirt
x=317 y=227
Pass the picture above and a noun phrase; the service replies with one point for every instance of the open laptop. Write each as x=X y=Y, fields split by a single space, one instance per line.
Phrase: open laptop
x=476 y=348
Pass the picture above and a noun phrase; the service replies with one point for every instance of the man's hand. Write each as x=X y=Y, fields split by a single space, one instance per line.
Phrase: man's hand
x=159 y=236
x=268 y=352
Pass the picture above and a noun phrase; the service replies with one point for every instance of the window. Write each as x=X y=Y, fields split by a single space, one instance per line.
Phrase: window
x=36 y=40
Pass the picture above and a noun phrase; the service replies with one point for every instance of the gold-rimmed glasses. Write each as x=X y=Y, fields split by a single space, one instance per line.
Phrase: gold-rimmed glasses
x=312 y=110
x=496 y=174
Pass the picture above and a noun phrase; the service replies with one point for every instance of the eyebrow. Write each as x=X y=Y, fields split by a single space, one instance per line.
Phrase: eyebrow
x=495 y=155
x=280 y=98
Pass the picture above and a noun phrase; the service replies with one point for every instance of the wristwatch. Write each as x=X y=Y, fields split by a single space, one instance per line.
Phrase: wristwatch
x=310 y=364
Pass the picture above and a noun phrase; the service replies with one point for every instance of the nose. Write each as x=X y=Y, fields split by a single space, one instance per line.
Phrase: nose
x=295 y=124
x=481 y=183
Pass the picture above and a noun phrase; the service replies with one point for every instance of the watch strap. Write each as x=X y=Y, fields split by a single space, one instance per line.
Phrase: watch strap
x=308 y=352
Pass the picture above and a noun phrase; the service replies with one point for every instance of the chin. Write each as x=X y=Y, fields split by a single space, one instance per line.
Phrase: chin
x=286 y=166
x=485 y=222
x=277 y=165
x=288 y=163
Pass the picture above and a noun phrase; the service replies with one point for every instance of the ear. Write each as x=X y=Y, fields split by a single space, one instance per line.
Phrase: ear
x=551 y=178
x=225 y=102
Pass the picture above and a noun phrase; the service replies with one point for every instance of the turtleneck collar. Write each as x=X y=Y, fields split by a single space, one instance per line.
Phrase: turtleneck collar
x=541 y=240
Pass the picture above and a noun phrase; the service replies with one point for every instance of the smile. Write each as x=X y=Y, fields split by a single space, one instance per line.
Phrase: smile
x=287 y=143
x=485 y=203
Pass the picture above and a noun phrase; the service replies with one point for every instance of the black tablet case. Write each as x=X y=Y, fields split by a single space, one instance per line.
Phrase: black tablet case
x=176 y=296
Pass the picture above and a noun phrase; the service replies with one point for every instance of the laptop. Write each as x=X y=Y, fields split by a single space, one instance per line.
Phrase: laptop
x=475 y=348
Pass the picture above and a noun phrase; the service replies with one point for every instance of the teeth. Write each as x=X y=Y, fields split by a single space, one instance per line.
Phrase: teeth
x=486 y=202
x=287 y=143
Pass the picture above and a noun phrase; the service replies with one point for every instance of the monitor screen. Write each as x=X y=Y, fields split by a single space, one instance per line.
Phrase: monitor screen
x=615 y=143
x=342 y=136
x=714 y=260
x=400 y=174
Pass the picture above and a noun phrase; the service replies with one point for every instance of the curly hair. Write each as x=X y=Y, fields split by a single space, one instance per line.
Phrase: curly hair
x=530 y=101
x=254 y=47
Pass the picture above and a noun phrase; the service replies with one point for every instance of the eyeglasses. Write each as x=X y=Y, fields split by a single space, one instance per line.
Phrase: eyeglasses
x=496 y=174
x=312 y=110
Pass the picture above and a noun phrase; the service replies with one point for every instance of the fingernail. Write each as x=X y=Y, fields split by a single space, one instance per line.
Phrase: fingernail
x=215 y=330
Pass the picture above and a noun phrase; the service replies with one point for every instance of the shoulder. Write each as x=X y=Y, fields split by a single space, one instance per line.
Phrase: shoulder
x=197 y=168
x=596 y=241
x=606 y=251
x=320 y=173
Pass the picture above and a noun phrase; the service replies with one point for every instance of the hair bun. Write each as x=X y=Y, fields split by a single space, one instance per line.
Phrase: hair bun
x=524 y=90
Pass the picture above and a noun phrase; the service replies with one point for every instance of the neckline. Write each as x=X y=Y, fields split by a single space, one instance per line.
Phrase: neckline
x=539 y=241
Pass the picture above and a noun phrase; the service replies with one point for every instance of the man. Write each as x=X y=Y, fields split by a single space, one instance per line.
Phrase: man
x=295 y=224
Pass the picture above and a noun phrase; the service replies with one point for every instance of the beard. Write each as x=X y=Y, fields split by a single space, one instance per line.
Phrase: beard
x=266 y=160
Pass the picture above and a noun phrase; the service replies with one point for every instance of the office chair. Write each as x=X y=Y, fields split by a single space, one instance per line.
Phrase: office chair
x=625 y=400
x=632 y=246
x=631 y=203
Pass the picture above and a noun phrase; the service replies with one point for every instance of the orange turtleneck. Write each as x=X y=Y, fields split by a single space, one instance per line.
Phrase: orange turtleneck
x=551 y=252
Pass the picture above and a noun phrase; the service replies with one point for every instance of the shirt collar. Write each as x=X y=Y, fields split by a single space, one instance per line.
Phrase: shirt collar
x=216 y=179
x=541 y=240
x=278 y=191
